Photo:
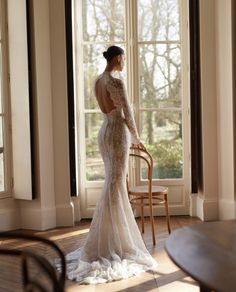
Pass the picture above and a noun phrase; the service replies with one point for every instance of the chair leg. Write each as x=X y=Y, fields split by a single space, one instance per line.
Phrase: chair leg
x=142 y=216
x=167 y=213
x=153 y=228
x=152 y=221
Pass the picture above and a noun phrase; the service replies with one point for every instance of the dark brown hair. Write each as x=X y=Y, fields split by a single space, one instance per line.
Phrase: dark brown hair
x=111 y=52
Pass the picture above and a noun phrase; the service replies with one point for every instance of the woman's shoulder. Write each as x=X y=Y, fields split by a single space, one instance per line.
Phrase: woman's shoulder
x=96 y=80
x=116 y=82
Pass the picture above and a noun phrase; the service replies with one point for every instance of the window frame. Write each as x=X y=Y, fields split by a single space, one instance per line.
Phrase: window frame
x=80 y=109
x=131 y=43
x=133 y=90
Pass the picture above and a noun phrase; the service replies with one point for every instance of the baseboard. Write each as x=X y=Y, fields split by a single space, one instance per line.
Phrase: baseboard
x=38 y=218
x=77 y=213
x=205 y=209
x=9 y=219
x=226 y=209
x=65 y=215
x=211 y=209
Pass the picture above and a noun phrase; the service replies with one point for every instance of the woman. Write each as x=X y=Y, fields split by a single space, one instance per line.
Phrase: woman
x=114 y=248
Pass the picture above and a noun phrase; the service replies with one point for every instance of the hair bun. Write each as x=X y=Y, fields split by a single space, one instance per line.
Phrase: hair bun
x=105 y=54
x=111 y=52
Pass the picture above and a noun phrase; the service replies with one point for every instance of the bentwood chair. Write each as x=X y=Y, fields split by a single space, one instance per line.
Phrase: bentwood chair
x=148 y=195
x=43 y=277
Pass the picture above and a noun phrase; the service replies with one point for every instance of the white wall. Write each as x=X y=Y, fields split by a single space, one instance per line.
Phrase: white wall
x=9 y=214
x=52 y=206
x=41 y=213
x=207 y=200
x=224 y=86
x=216 y=201
x=64 y=207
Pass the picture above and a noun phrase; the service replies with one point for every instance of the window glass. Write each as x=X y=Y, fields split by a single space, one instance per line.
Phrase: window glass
x=154 y=48
x=160 y=75
x=103 y=20
x=94 y=163
x=94 y=64
x=162 y=133
x=158 y=20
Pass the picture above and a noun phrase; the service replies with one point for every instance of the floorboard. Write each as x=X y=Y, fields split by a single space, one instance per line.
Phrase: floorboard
x=168 y=277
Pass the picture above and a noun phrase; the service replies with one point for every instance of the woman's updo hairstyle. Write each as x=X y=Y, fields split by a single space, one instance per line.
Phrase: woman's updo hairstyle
x=112 y=52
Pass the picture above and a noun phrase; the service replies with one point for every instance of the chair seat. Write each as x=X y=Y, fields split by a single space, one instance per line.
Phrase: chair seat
x=156 y=190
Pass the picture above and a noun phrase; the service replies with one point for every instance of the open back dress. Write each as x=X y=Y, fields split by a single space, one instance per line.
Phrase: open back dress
x=114 y=248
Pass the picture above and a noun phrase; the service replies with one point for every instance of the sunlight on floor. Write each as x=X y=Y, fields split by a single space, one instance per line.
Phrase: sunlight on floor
x=185 y=285
x=69 y=234
x=167 y=278
x=142 y=283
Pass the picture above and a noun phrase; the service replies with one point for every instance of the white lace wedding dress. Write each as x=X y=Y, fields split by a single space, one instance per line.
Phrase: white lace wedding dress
x=114 y=248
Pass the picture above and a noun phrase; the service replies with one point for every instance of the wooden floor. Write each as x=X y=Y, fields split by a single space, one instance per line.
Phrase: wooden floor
x=168 y=278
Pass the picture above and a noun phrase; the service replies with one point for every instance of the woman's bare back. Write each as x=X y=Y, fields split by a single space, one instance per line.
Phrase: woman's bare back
x=105 y=102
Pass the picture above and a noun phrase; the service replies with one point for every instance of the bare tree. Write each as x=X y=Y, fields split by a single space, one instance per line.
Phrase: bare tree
x=160 y=67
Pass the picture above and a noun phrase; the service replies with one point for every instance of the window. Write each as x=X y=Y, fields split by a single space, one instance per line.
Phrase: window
x=154 y=35
x=159 y=80
x=101 y=27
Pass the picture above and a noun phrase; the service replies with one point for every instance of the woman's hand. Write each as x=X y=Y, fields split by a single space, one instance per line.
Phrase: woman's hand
x=139 y=146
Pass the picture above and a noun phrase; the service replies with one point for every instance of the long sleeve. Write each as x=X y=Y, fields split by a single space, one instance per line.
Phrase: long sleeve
x=129 y=118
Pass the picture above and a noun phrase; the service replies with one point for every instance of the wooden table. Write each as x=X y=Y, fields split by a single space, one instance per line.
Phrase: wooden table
x=206 y=252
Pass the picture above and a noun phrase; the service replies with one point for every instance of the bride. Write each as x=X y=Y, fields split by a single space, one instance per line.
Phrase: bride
x=114 y=248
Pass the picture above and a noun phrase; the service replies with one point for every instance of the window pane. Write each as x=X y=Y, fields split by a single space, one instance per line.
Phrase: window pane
x=162 y=133
x=94 y=64
x=94 y=163
x=158 y=20
x=103 y=20
x=160 y=76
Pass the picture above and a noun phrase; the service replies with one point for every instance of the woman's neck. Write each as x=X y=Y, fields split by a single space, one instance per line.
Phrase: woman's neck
x=110 y=68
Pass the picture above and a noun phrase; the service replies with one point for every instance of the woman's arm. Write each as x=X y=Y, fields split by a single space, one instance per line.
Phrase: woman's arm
x=129 y=118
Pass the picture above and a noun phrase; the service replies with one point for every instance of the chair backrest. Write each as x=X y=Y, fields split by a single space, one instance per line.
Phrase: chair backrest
x=41 y=261
x=143 y=155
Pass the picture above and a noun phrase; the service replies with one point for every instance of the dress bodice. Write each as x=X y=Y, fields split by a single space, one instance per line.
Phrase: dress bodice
x=117 y=92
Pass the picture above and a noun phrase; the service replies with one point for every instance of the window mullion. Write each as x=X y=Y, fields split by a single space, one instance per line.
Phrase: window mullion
x=134 y=56
x=185 y=59
x=152 y=42
x=134 y=66
x=128 y=35
x=177 y=109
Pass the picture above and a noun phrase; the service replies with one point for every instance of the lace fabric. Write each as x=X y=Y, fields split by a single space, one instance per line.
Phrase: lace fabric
x=114 y=248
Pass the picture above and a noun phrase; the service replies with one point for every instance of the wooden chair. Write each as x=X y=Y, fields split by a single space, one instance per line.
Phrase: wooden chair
x=30 y=282
x=148 y=195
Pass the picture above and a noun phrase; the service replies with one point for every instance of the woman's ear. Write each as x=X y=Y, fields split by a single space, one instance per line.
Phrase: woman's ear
x=118 y=58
